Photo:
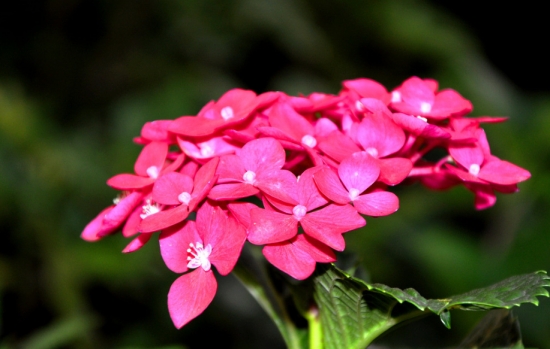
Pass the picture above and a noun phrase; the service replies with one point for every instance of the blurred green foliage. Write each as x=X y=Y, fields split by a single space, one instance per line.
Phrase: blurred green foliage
x=77 y=81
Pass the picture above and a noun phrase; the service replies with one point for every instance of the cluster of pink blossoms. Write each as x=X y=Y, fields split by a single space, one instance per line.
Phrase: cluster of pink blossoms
x=258 y=168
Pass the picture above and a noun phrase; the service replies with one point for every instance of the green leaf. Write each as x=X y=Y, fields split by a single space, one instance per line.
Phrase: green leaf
x=353 y=313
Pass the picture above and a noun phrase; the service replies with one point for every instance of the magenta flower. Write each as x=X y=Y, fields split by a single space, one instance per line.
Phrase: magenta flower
x=355 y=175
x=299 y=202
x=240 y=175
x=420 y=97
x=232 y=108
x=192 y=248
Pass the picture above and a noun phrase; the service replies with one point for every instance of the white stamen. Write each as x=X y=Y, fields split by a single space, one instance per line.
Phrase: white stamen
x=153 y=172
x=396 y=97
x=359 y=106
x=198 y=256
x=372 y=151
x=299 y=211
x=249 y=177
x=227 y=113
x=353 y=194
x=425 y=107
x=184 y=198
x=309 y=141
x=149 y=209
x=474 y=169
x=422 y=118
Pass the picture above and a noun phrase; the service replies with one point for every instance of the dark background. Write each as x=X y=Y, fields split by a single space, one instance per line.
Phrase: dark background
x=79 y=78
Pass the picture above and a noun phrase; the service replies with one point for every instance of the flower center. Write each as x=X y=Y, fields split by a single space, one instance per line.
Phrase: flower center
x=309 y=141
x=153 y=172
x=395 y=97
x=372 y=151
x=299 y=211
x=206 y=150
x=184 y=198
x=198 y=256
x=249 y=177
x=425 y=107
x=353 y=194
x=149 y=209
x=474 y=169
x=227 y=113
x=359 y=106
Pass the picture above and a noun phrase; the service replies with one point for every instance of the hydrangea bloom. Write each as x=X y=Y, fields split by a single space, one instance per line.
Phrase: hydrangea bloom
x=292 y=174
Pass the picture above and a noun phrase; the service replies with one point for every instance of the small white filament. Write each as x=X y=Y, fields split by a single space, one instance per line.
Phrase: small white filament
x=198 y=256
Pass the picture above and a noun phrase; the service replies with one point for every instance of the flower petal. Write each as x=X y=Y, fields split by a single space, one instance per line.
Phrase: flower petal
x=190 y=295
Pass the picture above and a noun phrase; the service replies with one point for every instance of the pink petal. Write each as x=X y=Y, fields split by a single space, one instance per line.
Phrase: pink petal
x=169 y=186
x=281 y=185
x=290 y=259
x=230 y=169
x=329 y=184
x=317 y=250
x=261 y=155
x=157 y=131
x=174 y=243
x=394 y=170
x=153 y=154
x=241 y=211
x=190 y=295
x=379 y=132
x=204 y=175
x=380 y=203
x=227 y=238
x=194 y=126
x=126 y=181
x=164 y=219
x=367 y=88
x=131 y=227
x=232 y=191
x=115 y=217
x=484 y=195
x=328 y=224
x=338 y=146
x=137 y=243
x=90 y=231
x=503 y=172
x=359 y=171
x=283 y=117
x=267 y=227
x=308 y=194
x=449 y=103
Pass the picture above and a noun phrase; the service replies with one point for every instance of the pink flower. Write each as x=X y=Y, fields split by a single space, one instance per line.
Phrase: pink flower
x=192 y=248
x=240 y=175
x=296 y=203
x=355 y=175
x=232 y=108
x=420 y=97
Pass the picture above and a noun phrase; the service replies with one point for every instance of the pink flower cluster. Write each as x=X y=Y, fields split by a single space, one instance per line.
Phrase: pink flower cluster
x=291 y=174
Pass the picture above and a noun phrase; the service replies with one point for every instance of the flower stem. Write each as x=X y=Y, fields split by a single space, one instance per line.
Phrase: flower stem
x=315 y=329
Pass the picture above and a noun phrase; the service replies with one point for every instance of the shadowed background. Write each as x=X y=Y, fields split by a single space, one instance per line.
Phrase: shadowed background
x=79 y=78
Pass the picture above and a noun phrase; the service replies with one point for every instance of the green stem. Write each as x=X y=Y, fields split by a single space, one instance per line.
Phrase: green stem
x=315 y=329
x=253 y=275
